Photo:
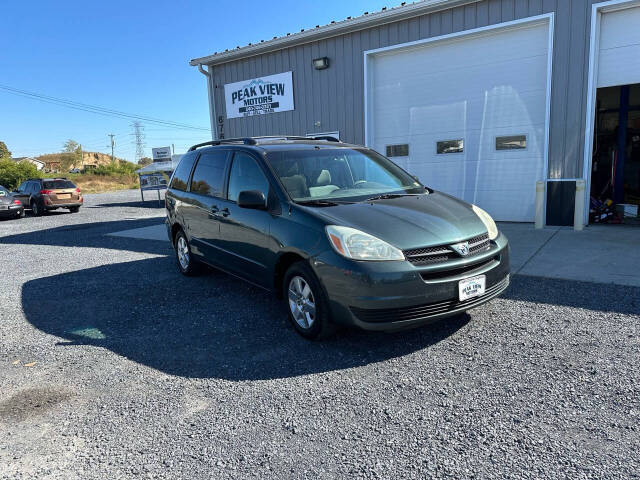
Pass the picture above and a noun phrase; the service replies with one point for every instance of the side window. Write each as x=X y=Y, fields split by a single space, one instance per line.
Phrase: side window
x=246 y=175
x=35 y=187
x=208 y=177
x=183 y=170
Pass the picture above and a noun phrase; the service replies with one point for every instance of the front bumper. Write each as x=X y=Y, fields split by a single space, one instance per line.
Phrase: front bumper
x=398 y=295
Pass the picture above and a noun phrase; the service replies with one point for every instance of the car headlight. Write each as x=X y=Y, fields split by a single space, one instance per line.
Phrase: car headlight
x=357 y=245
x=488 y=222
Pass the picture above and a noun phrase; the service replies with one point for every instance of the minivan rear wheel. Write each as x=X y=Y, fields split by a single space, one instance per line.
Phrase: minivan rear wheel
x=306 y=302
x=184 y=259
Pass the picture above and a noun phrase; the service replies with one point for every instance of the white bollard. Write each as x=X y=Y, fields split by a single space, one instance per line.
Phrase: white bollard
x=539 y=217
x=578 y=212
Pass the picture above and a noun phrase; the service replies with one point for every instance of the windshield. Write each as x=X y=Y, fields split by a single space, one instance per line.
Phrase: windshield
x=340 y=174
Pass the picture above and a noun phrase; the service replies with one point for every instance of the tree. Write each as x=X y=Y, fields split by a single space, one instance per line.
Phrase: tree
x=5 y=154
x=74 y=159
x=71 y=146
x=13 y=173
x=144 y=161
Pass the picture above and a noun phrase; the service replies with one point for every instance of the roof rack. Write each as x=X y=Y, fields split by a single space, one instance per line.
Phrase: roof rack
x=328 y=138
x=245 y=140
x=255 y=140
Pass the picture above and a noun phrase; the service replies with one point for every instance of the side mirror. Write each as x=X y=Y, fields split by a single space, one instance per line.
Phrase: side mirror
x=252 y=199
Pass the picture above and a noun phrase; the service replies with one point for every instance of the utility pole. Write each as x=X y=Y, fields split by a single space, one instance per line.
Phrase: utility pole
x=111 y=135
x=173 y=149
x=138 y=132
x=81 y=157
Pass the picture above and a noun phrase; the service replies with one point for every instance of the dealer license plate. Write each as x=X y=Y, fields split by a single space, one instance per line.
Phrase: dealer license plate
x=63 y=195
x=4 y=207
x=471 y=287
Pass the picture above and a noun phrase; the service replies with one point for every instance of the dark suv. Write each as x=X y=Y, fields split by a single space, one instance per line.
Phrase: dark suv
x=343 y=234
x=43 y=194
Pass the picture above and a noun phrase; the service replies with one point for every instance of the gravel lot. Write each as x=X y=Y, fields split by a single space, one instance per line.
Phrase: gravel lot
x=114 y=366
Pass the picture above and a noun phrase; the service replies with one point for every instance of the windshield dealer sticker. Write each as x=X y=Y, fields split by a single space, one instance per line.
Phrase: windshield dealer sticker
x=259 y=96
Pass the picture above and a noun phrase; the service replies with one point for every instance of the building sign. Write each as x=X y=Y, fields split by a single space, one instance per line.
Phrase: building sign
x=258 y=96
x=161 y=154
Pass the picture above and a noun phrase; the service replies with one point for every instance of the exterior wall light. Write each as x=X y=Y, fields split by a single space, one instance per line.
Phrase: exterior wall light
x=320 y=63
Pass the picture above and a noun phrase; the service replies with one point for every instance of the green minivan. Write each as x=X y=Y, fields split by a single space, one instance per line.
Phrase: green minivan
x=342 y=234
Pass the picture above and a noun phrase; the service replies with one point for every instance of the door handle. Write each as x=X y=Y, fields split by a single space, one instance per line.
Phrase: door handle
x=213 y=213
x=225 y=212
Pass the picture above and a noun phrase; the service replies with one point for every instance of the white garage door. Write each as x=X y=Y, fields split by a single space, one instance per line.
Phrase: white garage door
x=484 y=94
x=619 y=61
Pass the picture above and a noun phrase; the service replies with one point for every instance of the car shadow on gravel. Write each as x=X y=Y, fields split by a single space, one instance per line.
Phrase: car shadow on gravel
x=212 y=326
x=93 y=235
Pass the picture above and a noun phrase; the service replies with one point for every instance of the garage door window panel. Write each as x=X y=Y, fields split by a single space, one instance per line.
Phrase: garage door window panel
x=450 y=146
x=511 y=142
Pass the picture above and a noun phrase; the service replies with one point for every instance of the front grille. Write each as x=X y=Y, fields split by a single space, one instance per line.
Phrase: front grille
x=424 y=311
x=479 y=244
x=442 y=253
x=452 y=272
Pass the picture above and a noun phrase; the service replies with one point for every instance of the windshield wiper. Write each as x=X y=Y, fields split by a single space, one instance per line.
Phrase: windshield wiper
x=385 y=196
x=318 y=203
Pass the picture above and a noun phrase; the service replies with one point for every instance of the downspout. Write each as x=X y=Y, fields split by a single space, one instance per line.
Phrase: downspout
x=212 y=100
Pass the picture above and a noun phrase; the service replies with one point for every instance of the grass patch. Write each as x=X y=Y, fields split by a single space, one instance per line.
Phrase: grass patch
x=91 y=183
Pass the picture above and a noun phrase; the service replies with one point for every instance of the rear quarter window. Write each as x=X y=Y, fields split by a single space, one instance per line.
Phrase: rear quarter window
x=180 y=178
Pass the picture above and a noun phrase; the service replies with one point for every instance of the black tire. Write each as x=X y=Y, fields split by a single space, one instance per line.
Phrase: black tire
x=74 y=209
x=192 y=267
x=36 y=209
x=321 y=326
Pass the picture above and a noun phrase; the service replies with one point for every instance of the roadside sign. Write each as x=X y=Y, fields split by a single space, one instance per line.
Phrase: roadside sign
x=161 y=154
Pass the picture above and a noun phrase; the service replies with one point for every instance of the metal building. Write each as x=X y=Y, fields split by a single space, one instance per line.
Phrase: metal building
x=478 y=98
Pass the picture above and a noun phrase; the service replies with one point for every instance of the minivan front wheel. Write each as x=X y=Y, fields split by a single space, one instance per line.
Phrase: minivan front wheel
x=307 y=305
x=184 y=259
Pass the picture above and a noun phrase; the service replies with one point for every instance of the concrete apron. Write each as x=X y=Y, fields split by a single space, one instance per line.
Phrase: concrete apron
x=599 y=253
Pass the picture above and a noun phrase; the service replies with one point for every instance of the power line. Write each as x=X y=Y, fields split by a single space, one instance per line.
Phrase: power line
x=97 y=110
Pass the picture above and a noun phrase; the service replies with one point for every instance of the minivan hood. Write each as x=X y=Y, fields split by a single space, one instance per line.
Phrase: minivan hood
x=409 y=222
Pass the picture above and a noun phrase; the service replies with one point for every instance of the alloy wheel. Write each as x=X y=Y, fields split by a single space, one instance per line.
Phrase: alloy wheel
x=183 y=252
x=302 y=302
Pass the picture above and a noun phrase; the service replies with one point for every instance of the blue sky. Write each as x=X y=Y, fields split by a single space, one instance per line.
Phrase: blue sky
x=129 y=56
